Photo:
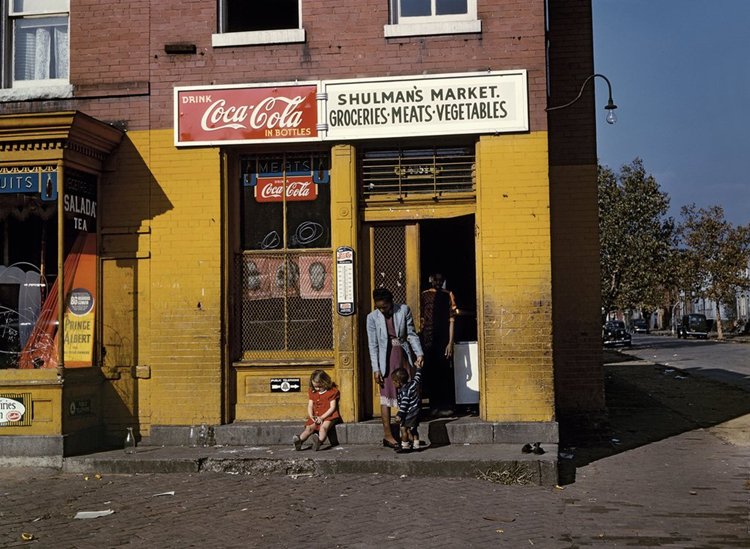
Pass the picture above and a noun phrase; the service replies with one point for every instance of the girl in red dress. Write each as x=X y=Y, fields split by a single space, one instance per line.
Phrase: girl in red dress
x=322 y=410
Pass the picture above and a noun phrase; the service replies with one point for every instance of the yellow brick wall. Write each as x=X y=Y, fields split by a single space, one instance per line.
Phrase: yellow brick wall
x=185 y=282
x=514 y=271
x=172 y=197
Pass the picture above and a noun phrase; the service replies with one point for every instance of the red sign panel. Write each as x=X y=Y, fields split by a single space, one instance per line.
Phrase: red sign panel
x=298 y=188
x=278 y=113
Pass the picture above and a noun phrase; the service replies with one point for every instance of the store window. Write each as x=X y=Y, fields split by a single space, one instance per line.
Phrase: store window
x=286 y=261
x=424 y=17
x=35 y=48
x=29 y=296
x=246 y=23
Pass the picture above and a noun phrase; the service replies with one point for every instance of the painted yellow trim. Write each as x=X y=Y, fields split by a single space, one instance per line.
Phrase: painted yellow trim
x=345 y=232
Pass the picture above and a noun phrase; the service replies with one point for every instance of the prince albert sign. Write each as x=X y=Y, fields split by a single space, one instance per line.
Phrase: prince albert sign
x=463 y=103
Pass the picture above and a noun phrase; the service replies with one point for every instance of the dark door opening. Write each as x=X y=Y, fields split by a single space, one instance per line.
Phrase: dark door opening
x=447 y=247
x=451 y=381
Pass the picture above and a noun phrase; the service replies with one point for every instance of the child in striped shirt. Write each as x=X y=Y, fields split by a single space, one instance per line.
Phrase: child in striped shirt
x=409 y=398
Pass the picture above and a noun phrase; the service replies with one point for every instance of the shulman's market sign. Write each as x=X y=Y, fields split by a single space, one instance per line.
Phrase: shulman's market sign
x=466 y=103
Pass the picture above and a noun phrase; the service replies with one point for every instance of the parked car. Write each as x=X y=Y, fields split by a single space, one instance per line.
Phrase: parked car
x=694 y=325
x=615 y=334
x=640 y=326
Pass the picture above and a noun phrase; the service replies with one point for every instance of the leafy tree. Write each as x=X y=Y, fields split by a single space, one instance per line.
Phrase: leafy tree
x=637 y=239
x=716 y=255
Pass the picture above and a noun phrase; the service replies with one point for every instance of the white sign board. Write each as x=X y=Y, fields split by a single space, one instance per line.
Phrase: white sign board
x=447 y=104
x=12 y=410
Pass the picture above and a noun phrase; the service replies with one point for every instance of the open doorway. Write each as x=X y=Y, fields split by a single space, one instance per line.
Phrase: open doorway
x=401 y=256
x=447 y=247
x=448 y=262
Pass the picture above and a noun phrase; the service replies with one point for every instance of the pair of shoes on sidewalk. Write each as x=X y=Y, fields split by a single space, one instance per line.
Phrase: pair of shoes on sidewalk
x=314 y=439
x=536 y=448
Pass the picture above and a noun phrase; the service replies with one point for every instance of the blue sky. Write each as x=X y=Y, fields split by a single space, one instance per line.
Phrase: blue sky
x=680 y=73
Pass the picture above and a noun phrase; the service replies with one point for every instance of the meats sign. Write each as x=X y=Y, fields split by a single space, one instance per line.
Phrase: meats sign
x=246 y=114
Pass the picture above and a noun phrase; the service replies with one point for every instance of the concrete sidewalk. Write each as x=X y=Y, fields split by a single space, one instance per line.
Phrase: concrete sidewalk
x=505 y=461
x=647 y=403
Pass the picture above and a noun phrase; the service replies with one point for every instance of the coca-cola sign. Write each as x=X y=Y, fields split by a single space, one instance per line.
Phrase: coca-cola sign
x=244 y=114
x=271 y=189
x=300 y=174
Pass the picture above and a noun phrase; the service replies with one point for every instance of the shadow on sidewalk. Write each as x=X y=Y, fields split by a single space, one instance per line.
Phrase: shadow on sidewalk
x=646 y=403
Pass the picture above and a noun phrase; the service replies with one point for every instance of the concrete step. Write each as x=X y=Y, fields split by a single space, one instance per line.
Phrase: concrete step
x=450 y=430
x=503 y=463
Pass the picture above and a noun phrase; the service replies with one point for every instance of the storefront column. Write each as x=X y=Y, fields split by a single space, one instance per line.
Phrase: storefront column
x=344 y=233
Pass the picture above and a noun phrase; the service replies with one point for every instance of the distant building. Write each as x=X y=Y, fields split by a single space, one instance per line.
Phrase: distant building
x=743 y=300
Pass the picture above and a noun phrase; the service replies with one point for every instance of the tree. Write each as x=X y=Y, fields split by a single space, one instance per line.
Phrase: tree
x=717 y=255
x=637 y=239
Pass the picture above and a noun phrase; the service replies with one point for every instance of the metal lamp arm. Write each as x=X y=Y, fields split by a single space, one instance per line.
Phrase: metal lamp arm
x=610 y=103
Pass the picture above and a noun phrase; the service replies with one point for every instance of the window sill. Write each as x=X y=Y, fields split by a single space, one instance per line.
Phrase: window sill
x=253 y=38
x=426 y=29
x=38 y=91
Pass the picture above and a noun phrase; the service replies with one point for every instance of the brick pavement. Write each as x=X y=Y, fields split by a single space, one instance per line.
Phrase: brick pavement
x=689 y=490
x=662 y=474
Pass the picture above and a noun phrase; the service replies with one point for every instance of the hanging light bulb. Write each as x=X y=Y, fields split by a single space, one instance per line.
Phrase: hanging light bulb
x=610 y=108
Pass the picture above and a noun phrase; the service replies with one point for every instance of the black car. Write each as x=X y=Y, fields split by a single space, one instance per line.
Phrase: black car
x=640 y=326
x=694 y=325
x=615 y=334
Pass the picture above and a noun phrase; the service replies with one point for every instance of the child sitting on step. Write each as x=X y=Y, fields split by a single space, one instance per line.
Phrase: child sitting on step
x=322 y=410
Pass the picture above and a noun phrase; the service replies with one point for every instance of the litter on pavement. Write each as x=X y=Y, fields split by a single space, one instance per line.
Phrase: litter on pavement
x=92 y=514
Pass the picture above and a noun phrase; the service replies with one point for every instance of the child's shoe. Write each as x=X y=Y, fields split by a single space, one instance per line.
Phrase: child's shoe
x=297 y=442
x=315 y=442
x=404 y=448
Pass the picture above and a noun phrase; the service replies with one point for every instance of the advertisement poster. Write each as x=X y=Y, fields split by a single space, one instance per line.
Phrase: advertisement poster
x=246 y=114
x=41 y=349
x=14 y=409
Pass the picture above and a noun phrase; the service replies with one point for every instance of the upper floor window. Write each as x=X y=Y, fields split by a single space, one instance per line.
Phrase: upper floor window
x=423 y=17
x=246 y=23
x=35 y=45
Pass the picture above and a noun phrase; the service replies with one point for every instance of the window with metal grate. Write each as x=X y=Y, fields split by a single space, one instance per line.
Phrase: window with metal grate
x=435 y=171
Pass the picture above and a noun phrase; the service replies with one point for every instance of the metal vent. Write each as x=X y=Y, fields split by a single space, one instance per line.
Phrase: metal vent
x=432 y=171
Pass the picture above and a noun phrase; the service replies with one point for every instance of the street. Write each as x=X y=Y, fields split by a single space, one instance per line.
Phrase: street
x=722 y=361
x=670 y=469
x=678 y=493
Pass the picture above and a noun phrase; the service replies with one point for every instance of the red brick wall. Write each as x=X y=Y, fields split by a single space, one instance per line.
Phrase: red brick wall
x=573 y=129
x=117 y=51
x=577 y=348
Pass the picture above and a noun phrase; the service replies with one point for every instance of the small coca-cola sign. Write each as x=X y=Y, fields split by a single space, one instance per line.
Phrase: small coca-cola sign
x=271 y=189
x=245 y=114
